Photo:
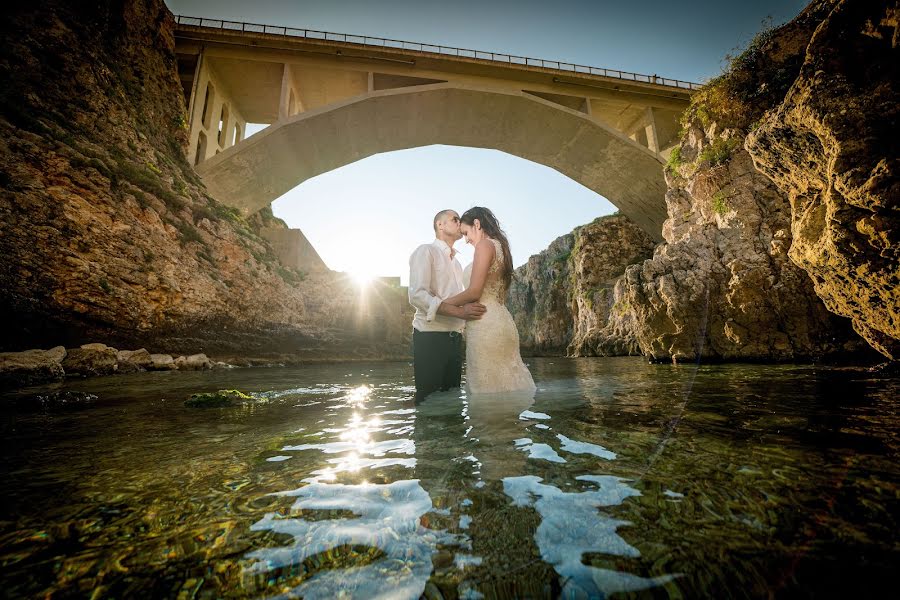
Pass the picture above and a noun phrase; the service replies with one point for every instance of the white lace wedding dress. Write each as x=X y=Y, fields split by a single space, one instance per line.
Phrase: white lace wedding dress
x=493 y=362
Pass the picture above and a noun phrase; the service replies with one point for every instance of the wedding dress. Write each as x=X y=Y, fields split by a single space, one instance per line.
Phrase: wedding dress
x=493 y=362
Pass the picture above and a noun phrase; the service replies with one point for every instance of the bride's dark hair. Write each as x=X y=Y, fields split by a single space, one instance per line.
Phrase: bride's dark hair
x=491 y=227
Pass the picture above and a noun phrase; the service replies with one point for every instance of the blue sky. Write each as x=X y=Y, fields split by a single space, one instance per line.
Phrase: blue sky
x=368 y=216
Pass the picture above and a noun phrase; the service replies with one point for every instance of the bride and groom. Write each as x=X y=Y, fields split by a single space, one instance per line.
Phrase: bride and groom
x=446 y=306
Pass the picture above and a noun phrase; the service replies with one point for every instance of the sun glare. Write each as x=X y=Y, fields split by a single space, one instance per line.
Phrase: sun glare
x=362 y=278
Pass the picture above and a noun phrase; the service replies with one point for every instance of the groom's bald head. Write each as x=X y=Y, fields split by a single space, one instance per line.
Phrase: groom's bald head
x=447 y=213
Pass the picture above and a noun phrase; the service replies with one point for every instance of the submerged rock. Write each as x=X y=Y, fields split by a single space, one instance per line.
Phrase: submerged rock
x=218 y=399
x=19 y=369
x=59 y=400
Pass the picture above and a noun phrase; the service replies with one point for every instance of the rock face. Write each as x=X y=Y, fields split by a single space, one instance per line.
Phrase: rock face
x=539 y=299
x=831 y=146
x=723 y=285
x=561 y=299
x=105 y=230
x=603 y=250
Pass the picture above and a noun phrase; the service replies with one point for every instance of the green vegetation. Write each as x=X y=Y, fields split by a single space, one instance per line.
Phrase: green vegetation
x=754 y=80
x=290 y=275
x=188 y=233
x=104 y=285
x=720 y=202
x=620 y=308
x=719 y=151
x=217 y=399
x=673 y=164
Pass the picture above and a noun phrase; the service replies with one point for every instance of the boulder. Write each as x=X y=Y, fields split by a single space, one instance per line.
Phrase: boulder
x=132 y=361
x=18 y=369
x=161 y=362
x=58 y=353
x=97 y=359
x=193 y=362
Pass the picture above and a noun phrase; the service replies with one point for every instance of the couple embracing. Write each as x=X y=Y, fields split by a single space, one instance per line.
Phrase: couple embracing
x=446 y=307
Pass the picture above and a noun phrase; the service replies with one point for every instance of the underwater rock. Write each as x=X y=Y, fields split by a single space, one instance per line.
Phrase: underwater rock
x=218 y=399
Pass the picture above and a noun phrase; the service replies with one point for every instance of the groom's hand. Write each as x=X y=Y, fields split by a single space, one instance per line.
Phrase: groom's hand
x=473 y=311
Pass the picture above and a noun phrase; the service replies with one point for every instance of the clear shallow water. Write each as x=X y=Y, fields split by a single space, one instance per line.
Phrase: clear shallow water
x=618 y=477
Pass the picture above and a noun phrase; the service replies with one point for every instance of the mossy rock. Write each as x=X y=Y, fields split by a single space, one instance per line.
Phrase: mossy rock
x=217 y=399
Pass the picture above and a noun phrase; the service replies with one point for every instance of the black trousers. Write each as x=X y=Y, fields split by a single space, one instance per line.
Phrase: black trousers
x=437 y=361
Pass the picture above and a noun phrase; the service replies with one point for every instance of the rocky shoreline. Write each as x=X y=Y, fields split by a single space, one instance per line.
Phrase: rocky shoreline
x=38 y=366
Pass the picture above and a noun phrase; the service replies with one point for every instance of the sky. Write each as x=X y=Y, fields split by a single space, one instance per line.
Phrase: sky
x=367 y=217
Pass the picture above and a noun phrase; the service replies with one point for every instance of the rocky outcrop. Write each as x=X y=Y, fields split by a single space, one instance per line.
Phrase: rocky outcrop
x=105 y=230
x=832 y=147
x=133 y=361
x=539 y=299
x=724 y=285
x=562 y=297
x=29 y=367
x=91 y=359
x=603 y=249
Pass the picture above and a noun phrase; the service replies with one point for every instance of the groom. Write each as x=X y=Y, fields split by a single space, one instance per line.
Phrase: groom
x=434 y=273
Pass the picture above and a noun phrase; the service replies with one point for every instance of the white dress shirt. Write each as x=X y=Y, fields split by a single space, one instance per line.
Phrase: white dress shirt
x=434 y=276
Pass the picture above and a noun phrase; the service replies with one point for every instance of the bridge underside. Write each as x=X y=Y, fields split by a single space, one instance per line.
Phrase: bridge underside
x=256 y=171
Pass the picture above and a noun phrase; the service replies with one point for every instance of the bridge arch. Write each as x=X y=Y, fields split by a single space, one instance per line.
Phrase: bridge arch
x=253 y=173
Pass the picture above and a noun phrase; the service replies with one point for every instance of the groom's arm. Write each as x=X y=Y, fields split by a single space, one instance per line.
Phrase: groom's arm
x=420 y=295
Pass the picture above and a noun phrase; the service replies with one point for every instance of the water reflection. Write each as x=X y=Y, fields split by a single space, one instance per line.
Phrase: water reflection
x=571 y=526
x=386 y=520
x=753 y=481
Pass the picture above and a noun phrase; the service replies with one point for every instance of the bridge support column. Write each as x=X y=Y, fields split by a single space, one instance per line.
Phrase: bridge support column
x=650 y=130
x=293 y=249
x=289 y=104
x=215 y=120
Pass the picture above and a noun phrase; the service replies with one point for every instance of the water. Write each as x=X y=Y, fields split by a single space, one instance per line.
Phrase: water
x=617 y=477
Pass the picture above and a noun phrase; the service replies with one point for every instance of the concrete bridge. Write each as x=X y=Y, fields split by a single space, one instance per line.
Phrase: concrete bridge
x=333 y=99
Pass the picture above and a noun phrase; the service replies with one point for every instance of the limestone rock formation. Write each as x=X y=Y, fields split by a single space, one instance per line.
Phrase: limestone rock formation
x=603 y=250
x=30 y=367
x=538 y=299
x=105 y=230
x=561 y=298
x=831 y=146
x=132 y=361
x=723 y=285
x=91 y=359
x=194 y=362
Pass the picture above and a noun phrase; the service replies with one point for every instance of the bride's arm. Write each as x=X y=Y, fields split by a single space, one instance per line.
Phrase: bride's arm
x=484 y=254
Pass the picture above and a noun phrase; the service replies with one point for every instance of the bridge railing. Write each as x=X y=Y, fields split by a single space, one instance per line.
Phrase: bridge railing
x=498 y=57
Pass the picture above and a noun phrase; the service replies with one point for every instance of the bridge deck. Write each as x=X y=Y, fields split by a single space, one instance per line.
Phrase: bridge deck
x=252 y=33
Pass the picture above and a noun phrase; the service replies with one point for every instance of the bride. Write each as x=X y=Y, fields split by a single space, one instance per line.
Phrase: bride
x=493 y=363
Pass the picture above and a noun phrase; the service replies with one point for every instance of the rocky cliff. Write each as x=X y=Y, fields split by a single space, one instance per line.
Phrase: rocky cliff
x=832 y=147
x=732 y=279
x=561 y=299
x=106 y=232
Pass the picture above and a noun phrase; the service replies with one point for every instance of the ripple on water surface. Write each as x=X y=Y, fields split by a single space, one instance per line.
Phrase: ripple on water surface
x=616 y=477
